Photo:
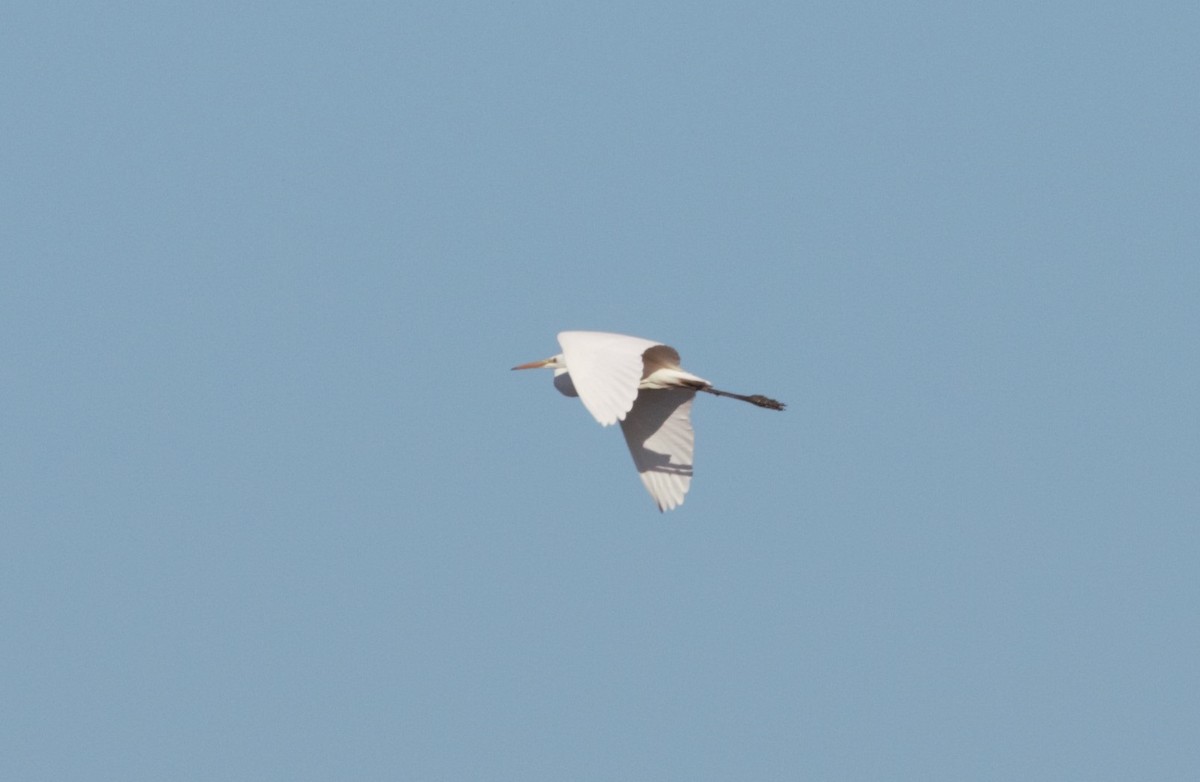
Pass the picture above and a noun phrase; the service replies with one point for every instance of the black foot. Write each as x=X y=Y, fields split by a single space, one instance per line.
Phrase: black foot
x=764 y=401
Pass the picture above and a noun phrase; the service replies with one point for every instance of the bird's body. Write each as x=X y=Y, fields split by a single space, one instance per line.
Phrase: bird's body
x=639 y=383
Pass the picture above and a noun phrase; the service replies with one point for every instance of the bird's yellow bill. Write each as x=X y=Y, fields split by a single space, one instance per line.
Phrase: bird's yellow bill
x=533 y=364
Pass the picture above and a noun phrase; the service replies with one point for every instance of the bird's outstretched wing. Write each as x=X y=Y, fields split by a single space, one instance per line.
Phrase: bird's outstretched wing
x=659 y=433
x=605 y=370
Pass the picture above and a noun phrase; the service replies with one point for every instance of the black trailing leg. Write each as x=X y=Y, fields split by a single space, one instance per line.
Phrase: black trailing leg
x=754 y=399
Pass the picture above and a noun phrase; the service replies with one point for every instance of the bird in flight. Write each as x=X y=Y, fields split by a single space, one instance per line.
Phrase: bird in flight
x=639 y=383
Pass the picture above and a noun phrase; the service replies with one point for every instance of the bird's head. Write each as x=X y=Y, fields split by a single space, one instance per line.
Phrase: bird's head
x=554 y=362
x=562 y=378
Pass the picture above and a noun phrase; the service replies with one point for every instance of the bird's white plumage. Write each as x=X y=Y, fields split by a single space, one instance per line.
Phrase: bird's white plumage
x=605 y=370
x=638 y=382
x=658 y=431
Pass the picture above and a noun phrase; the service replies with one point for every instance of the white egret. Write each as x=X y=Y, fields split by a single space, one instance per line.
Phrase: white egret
x=638 y=382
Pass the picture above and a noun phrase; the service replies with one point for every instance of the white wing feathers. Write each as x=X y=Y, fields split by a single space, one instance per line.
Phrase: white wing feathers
x=658 y=431
x=605 y=370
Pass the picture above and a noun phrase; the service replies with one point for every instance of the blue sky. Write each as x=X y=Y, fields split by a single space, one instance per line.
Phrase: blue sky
x=275 y=508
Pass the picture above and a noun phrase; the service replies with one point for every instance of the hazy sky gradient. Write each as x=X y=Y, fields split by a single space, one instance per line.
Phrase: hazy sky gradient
x=275 y=508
